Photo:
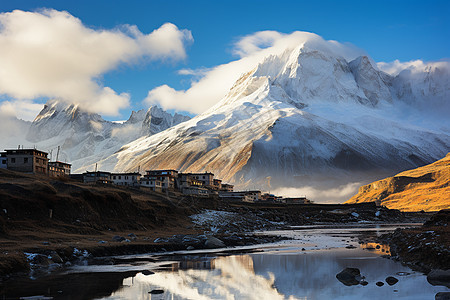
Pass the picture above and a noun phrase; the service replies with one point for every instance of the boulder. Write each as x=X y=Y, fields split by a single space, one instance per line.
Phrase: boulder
x=442 y=296
x=391 y=280
x=212 y=242
x=118 y=238
x=56 y=258
x=349 y=276
x=379 y=283
x=439 y=277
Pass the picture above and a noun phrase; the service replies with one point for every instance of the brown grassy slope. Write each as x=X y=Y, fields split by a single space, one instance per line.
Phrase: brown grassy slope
x=426 y=188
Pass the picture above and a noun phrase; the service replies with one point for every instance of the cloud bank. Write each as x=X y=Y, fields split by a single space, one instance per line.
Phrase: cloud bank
x=210 y=85
x=395 y=67
x=52 y=54
x=321 y=195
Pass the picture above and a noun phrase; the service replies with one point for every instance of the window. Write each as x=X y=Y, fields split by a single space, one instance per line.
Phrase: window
x=13 y=160
x=114 y=177
x=3 y=162
x=25 y=160
x=120 y=177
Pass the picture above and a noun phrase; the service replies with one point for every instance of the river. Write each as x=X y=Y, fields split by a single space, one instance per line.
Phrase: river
x=302 y=268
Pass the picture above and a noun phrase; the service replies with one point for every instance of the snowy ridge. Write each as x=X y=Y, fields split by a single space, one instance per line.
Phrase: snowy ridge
x=306 y=116
x=86 y=138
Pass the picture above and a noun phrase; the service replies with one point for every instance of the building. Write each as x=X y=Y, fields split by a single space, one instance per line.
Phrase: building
x=217 y=184
x=3 y=160
x=244 y=196
x=59 y=169
x=167 y=178
x=127 y=179
x=197 y=191
x=186 y=180
x=97 y=177
x=227 y=187
x=198 y=179
x=27 y=160
x=151 y=182
x=296 y=200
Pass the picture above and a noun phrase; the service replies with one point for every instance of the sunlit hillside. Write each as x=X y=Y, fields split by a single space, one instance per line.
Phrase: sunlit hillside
x=426 y=188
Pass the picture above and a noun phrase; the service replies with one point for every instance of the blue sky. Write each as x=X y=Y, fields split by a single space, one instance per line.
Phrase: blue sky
x=386 y=30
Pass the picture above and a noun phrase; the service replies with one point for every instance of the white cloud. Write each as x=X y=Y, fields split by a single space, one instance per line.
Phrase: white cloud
x=52 y=54
x=321 y=195
x=22 y=109
x=395 y=67
x=255 y=42
x=252 y=49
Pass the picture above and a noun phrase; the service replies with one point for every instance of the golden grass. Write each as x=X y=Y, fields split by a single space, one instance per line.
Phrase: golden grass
x=426 y=188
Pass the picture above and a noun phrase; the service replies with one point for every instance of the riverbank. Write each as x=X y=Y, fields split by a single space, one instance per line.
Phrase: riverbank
x=423 y=248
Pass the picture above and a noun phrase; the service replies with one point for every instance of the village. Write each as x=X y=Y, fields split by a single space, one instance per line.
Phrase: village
x=201 y=185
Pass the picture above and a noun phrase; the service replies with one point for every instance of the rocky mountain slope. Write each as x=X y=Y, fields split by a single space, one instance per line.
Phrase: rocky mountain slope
x=306 y=117
x=86 y=138
x=426 y=188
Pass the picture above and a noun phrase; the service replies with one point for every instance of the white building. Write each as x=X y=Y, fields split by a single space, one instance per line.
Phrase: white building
x=126 y=179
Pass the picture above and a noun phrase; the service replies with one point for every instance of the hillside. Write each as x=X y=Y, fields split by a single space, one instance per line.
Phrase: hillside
x=426 y=188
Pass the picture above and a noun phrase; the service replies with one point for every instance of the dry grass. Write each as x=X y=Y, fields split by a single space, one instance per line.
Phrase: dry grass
x=426 y=188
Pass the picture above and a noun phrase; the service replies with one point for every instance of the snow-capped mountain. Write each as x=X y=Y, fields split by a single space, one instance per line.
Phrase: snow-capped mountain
x=86 y=138
x=306 y=116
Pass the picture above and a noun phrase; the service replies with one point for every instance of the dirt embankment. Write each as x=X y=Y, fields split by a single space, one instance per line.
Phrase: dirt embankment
x=426 y=188
x=42 y=214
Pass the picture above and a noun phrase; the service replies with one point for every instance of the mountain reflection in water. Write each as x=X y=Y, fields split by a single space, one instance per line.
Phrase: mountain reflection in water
x=278 y=275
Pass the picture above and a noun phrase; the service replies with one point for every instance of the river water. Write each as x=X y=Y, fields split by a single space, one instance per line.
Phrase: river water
x=303 y=268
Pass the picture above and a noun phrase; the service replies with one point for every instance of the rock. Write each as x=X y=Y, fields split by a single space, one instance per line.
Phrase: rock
x=442 y=296
x=212 y=242
x=102 y=242
x=156 y=292
x=160 y=240
x=391 y=280
x=40 y=260
x=132 y=236
x=350 y=247
x=379 y=283
x=190 y=248
x=439 y=277
x=118 y=238
x=55 y=257
x=403 y=273
x=363 y=282
x=349 y=276
x=147 y=272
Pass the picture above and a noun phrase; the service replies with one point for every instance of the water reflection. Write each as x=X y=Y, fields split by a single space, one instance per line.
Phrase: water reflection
x=377 y=248
x=275 y=275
